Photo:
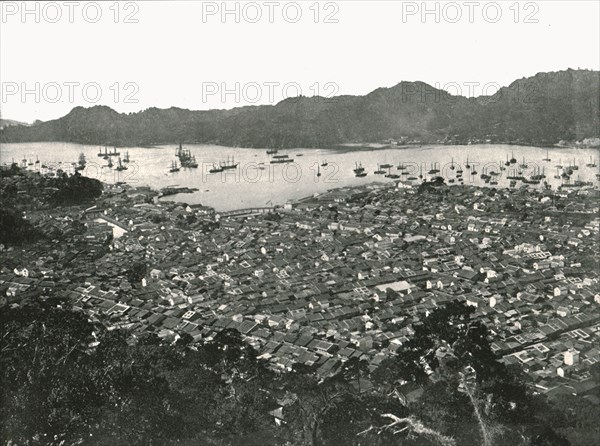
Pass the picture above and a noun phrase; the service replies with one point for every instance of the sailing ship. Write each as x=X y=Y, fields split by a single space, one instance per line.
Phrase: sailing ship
x=574 y=166
x=359 y=170
x=513 y=160
x=126 y=158
x=229 y=164
x=592 y=163
x=120 y=167
x=114 y=152
x=524 y=165
x=110 y=163
x=324 y=163
x=174 y=167
x=547 y=159
x=185 y=157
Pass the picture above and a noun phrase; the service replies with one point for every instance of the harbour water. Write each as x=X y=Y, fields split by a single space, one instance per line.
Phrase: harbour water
x=257 y=183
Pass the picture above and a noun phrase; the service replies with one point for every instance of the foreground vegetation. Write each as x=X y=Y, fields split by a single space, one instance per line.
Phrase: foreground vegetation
x=67 y=380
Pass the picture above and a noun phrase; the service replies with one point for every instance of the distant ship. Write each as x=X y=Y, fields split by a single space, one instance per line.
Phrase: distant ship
x=120 y=167
x=359 y=170
x=547 y=159
x=272 y=151
x=114 y=152
x=82 y=162
x=324 y=163
x=229 y=164
x=280 y=159
x=215 y=169
x=379 y=170
x=126 y=158
x=185 y=157
x=591 y=163
x=524 y=165
x=174 y=167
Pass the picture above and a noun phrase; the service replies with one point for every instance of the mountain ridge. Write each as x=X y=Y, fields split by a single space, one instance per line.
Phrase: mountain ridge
x=542 y=109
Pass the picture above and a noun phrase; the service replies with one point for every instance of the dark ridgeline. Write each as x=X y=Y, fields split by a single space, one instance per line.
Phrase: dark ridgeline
x=542 y=109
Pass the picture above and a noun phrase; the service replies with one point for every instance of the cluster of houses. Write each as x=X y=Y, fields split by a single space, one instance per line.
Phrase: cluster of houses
x=345 y=274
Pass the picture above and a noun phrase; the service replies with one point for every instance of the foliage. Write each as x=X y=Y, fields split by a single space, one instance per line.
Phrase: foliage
x=14 y=230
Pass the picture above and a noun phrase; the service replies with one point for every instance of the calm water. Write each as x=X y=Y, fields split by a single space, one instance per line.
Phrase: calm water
x=249 y=186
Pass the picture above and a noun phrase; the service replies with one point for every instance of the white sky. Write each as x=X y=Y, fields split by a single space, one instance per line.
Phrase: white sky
x=178 y=56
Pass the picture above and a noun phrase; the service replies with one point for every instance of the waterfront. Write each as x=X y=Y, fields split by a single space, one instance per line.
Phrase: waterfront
x=254 y=184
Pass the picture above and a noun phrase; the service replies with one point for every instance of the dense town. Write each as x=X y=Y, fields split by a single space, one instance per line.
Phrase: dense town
x=345 y=274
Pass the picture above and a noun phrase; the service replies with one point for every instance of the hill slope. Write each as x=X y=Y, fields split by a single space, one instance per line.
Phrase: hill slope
x=542 y=109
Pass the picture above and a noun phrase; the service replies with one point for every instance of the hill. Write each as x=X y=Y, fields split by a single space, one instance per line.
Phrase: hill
x=543 y=109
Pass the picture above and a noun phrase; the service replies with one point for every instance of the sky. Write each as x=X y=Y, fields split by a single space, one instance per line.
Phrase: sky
x=130 y=56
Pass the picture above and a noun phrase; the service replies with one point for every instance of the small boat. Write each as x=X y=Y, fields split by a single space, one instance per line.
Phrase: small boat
x=592 y=163
x=299 y=154
x=467 y=165
x=433 y=169
x=523 y=165
x=391 y=175
x=174 y=167
x=452 y=164
x=272 y=151
x=37 y=160
x=557 y=176
x=324 y=163
x=547 y=159
x=318 y=171
x=574 y=166
x=507 y=163
x=126 y=158
x=120 y=167
x=379 y=170
x=513 y=160
x=386 y=166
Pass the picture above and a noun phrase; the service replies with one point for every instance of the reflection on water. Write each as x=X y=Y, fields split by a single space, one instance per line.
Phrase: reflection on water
x=257 y=182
